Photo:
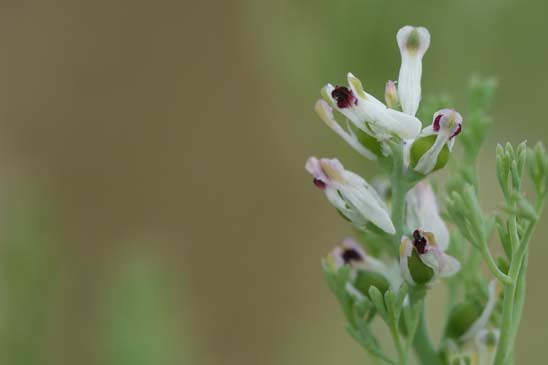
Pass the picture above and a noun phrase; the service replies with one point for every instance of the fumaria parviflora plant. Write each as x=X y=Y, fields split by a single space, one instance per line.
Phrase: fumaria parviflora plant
x=410 y=237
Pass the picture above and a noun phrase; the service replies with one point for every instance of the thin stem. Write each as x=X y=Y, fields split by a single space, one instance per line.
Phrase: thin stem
x=424 y=349
x=399 y=191
x=423 y=345
x=402 y=356
x=493 y=267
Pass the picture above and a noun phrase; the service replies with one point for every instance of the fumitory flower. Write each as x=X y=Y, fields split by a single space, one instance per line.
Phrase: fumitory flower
x=422 y=260
x=369 y=114
x=366 y=271
x=350 y=194
x=430 y=151
x=413 y=43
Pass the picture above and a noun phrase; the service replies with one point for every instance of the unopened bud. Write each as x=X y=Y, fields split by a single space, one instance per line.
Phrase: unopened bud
x=391 y=95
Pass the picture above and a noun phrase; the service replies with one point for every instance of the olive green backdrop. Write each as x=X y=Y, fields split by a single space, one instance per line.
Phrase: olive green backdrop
x=154 y=203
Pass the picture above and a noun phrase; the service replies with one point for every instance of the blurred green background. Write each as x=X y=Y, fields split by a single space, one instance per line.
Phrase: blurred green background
x=155 y=209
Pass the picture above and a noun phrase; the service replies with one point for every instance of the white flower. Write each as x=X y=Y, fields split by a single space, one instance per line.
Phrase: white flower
x=446 y=125
x=413 y=43
x=422 y=261
x=369 y=114
x=423 y=213
x=350 y=194
x=325 y=112
x=480 y=323
x=351 y=253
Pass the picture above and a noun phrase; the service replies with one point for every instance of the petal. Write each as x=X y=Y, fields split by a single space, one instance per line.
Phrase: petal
x=428 y=160
x=406 y=249
x=325 y=112
x=409 y=126
x=413 y=43
x=423 y=213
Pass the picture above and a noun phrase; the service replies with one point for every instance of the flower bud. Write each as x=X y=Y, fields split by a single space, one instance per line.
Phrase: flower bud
x=391 y=95
x=461 y=318
x=431 y=150
x=467 y=319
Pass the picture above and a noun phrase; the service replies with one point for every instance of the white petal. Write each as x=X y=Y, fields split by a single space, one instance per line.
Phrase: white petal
x=443 y=264
x=370 y=109
x=409 y=81
x=423 y=214
x=325 y=112
x=428 y=160
x=406 y=250
x=409 y=126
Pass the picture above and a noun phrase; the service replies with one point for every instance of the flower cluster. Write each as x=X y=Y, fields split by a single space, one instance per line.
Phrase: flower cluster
x=405 y=246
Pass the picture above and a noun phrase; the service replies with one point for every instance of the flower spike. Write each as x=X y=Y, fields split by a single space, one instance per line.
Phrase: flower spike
x=350 y=194
x=413 y=43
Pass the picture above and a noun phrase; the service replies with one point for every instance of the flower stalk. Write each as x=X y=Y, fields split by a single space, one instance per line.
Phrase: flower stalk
x=404 y=244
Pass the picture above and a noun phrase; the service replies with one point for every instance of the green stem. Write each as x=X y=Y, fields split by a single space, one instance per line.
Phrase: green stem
x=493 y=267
x=399 y=190
x=423 y=345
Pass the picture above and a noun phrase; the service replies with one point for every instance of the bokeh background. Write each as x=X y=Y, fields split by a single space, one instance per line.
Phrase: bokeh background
x=155 y=209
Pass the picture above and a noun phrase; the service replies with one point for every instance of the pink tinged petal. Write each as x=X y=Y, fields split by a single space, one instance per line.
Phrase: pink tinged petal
x=391 y=95
x=314 y=168
x=447 y=121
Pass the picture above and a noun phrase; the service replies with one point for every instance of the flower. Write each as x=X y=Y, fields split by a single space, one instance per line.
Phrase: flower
x=422 y=261
x=350 y=194
x=413 y=43
x=430 y=151
x=358 y=140
x=366 y=271
x=423 y=213
x=369 y=114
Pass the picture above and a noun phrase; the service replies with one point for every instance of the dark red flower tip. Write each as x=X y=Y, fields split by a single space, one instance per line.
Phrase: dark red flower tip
x=344 y=97
x=319 y=184
x=350 y=254
x=419 y=242
x=436 y=124
x=457 y=131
